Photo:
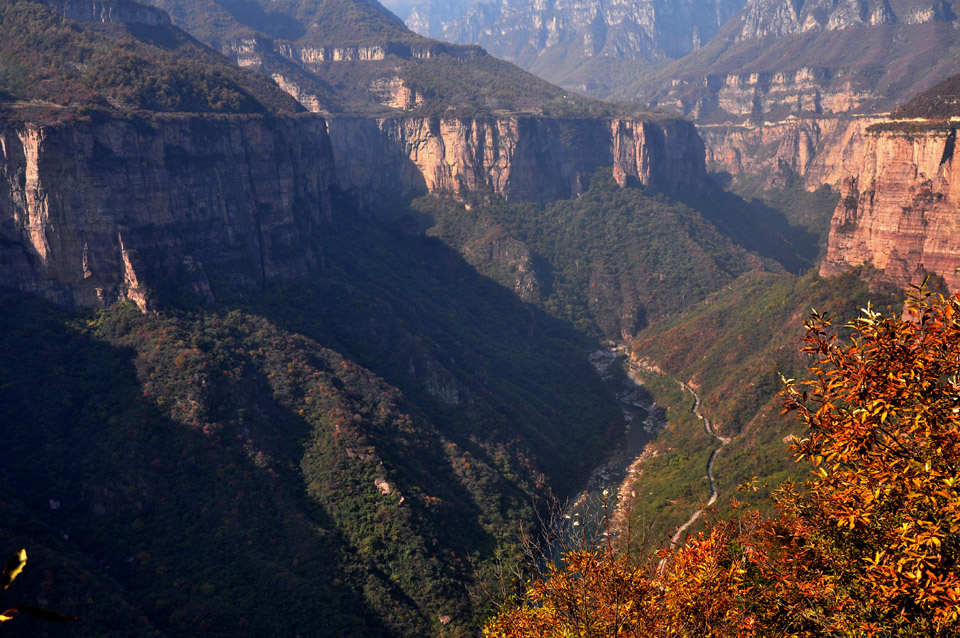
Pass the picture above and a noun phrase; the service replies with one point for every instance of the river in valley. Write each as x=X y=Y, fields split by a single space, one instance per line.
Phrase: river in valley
x=608 y=484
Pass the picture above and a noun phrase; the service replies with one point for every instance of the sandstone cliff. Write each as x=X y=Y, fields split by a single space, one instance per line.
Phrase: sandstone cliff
x=522 y=158
x=93 y=212
x=817 y=150
x=98 y=211
x=898 y=210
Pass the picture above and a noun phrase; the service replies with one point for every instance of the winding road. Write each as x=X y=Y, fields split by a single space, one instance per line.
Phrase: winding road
x=708 y=426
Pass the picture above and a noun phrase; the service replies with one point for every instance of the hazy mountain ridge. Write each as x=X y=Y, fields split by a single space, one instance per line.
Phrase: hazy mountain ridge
x=365 y=56
x=586 y=45
x=112 y=64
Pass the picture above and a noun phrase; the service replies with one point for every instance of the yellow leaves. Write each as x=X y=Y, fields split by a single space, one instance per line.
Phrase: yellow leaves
x=14 y=566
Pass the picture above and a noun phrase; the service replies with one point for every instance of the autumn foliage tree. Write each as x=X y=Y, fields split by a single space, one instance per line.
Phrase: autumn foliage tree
x=867 y=546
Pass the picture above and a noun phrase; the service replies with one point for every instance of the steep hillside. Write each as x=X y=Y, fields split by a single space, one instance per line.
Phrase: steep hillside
x=614 y=260
x=47 y=59
x=940 y=102
x=368 y=58
x=730 y=349
x=211 y=473
x=611 y=261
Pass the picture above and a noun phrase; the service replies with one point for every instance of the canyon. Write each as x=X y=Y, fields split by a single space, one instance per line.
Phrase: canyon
x=93 y=212
x=817 y=150
x=353 y=369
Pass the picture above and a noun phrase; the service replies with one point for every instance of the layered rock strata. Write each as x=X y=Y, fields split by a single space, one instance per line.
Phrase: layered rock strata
x=899 y=210
x=817 y=150
x=99 y=211
x=91 y=213
x=523 y=158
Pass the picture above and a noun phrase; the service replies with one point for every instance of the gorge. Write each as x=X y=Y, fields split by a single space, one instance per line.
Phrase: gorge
x=296 y=305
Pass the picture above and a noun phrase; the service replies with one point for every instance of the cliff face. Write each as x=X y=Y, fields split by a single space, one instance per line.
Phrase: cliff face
x=91 y=213
x=820 y=151
x=777 y=18
x=589 y=45
x=898 y=211
x=522 y=158
x=720 y=97
x=94 y=212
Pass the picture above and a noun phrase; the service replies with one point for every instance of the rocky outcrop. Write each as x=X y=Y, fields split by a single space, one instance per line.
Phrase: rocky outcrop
x=95 y=212
x=898 y=211
x=108 y=11
x=817 y=150
x=523 y=158
x=777 y=18
x=771 y=95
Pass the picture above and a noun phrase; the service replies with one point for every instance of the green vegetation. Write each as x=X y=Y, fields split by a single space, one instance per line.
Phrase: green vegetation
x=217 y=471
x=865 y=546
x=671 y=482
x=48 y=60
x=610 y=261
x=807 y=213
x=732 y=348
x=940 y=102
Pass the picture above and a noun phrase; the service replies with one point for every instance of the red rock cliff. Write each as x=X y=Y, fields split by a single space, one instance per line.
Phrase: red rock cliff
x=899 y=210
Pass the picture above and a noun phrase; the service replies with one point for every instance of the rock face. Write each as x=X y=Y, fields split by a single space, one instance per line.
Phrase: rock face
x=777 y=18
x=522 y=158
x=95 y=212
x=91 y=213
x=817 y=150
x=851 y=67
x=898 y=211
x=768 y=95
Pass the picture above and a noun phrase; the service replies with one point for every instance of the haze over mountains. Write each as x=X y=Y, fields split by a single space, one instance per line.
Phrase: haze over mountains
x=718 y=61
x=297 y=303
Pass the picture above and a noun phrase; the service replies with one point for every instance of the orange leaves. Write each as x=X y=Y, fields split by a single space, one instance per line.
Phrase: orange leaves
x=882 y=419
x=870 y=546
x=698 y=590
x=591 y=593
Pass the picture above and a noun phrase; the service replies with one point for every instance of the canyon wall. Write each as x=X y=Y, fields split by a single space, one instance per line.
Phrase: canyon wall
x=108 y=209
x=525 y=158
x=737 y=97
x=95 y=212
x=818 y=150
x=898 y=210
